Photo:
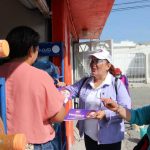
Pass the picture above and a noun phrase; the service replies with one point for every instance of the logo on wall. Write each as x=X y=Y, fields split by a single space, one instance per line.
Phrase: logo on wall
x=55 y=49
x=50 y=48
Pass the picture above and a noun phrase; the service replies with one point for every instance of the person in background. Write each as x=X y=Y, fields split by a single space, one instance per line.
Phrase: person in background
x=140 y=116
x=99 y=133
x=122 y=77
x=33 y=102
x=46 y=65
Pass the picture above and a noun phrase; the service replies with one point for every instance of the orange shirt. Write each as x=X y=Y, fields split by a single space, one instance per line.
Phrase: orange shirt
x=31 y=100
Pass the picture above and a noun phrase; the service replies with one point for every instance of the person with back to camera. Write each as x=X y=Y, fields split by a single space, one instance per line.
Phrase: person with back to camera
x=33 y=101
x=99 y=133
x=43 y=62
x=140 y=116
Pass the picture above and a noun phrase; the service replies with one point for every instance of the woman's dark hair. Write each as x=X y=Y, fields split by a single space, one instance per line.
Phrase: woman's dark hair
x=20 y=39
x=112 y=70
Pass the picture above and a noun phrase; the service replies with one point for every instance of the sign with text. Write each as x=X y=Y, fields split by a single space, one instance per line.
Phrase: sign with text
x=50 y=48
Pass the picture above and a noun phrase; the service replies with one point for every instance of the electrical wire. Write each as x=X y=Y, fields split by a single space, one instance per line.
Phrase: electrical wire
x=131 y=5
x=129 y=8
x=133 y=2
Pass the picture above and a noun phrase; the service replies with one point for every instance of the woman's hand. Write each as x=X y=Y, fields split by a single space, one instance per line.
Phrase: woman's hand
x=110 y=104
x=60 y=84
x=100 y=114
x=91 y=115
x=96 y=114
x=66 y=94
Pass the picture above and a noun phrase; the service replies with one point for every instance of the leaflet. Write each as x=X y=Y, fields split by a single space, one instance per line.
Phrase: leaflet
x=79 y=114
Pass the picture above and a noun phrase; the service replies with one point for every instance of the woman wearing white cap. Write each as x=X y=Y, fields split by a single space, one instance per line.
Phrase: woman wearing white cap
x=107 y=131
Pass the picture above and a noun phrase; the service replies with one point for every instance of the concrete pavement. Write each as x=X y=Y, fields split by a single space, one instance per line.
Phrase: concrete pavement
x=131 y=138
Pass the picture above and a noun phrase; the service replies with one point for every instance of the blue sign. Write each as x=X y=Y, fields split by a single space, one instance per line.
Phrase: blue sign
x=50 y=49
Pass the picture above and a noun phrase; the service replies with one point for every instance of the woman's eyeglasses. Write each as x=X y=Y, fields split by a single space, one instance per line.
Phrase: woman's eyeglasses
x=96 y=61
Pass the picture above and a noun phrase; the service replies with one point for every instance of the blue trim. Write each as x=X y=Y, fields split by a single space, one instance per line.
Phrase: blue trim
x=62 y=62
x=3 y=103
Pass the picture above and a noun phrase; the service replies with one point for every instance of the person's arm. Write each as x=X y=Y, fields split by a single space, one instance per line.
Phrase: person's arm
x=73 y=91
x=110 y=104
x=52 y=106
x=59 y=117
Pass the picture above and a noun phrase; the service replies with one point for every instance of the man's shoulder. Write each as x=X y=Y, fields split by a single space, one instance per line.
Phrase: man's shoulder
x=38 y=76
x=38 y=72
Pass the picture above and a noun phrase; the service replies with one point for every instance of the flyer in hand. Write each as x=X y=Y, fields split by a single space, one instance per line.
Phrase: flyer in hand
x=77 y=114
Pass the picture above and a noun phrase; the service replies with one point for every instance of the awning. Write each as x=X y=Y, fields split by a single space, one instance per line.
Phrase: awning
x=89 y=16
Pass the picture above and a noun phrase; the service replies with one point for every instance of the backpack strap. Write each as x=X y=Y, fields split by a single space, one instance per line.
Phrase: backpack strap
x=116 y=79
x=77 y=104
x=85 y=79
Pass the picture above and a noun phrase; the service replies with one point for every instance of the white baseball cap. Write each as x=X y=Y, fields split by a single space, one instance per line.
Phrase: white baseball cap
x=102 y=54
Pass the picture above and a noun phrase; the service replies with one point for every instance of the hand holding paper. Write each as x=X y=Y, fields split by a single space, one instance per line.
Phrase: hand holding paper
x=79 y=114
x=66 y=94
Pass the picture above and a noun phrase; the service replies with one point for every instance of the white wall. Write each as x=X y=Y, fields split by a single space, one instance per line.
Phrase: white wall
x=132 y=58
x=134 y=61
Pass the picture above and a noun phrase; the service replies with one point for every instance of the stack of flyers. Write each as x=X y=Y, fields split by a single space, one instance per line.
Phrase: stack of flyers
x=78 y=114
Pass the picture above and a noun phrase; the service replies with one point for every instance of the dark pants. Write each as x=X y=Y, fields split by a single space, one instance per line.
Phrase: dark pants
x=92 y=145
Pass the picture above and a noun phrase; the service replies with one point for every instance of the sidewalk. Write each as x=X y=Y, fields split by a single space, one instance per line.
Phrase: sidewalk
x=131 y=139
x=138 y=85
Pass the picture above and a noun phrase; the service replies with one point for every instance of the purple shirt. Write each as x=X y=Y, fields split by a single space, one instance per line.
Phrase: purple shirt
x=111 y=128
